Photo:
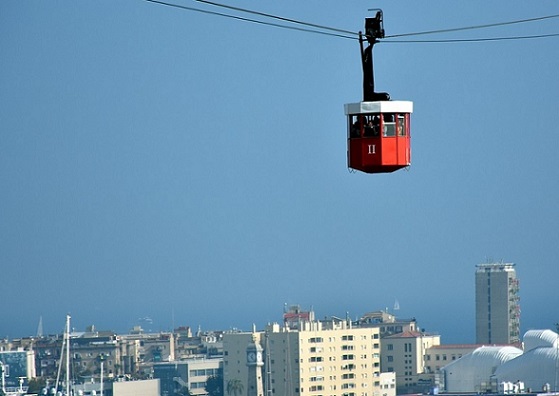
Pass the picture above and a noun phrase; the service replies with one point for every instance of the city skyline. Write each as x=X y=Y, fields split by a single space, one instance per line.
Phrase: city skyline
x=190 y=168
x=393 y=354
x=149 y=324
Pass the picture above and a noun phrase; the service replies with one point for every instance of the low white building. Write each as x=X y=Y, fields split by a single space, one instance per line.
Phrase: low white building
x=498 y=368
x=537 y=366
x=473 y=372
x=137 y=388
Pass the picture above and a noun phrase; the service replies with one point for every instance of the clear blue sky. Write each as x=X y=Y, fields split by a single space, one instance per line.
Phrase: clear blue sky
x=162 y=163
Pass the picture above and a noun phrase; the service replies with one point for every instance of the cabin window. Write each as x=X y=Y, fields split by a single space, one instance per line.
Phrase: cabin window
x=364 y=125
x=402 y=125
x=355 y=126
x=389 y=125
x=371 y=125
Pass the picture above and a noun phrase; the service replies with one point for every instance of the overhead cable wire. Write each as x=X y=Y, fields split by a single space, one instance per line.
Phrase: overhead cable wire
x=352 y=35
x=313 y=25
x=473 y=27
x=390 y=36
x=473 y=40
x=250 y=20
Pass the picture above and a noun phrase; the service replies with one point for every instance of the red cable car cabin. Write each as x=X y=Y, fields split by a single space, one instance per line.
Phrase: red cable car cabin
x=378 y=135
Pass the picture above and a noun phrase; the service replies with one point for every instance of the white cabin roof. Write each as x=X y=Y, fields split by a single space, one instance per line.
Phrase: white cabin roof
x=392 y=106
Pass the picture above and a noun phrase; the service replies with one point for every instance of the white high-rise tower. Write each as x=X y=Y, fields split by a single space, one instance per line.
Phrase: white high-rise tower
x=497 y=304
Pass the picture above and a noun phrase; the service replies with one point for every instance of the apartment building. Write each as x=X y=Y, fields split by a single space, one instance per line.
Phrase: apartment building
x=190 y=373
x=16 y=367
x=387 y=323
x=439 y=356
x=315 y=358
x=404 y=354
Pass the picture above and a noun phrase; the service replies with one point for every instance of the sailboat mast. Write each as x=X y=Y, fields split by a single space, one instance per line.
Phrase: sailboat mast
x=67 y=336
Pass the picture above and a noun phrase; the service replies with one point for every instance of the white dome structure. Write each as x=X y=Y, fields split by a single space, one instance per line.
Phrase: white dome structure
x=538 y=365
x=539 y=338
x=473 y=372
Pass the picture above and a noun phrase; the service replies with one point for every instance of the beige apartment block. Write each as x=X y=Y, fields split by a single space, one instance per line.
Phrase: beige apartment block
x=137 y=388
x=439 y=356
x=317 y=358
x=404 y=354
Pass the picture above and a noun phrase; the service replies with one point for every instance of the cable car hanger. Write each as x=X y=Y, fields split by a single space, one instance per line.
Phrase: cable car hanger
x=374 y=30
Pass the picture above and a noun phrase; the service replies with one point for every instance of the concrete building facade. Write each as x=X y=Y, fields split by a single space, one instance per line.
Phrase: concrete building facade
x=404 y=354
x=189 y=373
x=137 y=388
x=318 y=358
x=438 y=356
x=497 y=304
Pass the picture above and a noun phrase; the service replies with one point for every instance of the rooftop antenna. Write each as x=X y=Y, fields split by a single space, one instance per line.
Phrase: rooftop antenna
x=396 y=305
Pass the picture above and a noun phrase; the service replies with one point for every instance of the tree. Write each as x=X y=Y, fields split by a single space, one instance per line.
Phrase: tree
x=184 y=391
x=214 y=385
x=36 y=385
x=234 y=387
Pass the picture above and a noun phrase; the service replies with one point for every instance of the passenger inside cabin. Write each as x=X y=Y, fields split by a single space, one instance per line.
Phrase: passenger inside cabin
x=401 y=125
x=369 y=128
x=376 y=125
x=372 y=127
x=389 y=126
x=356 y=128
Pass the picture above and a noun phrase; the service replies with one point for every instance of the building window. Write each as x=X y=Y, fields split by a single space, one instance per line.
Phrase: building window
x=390 y=347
